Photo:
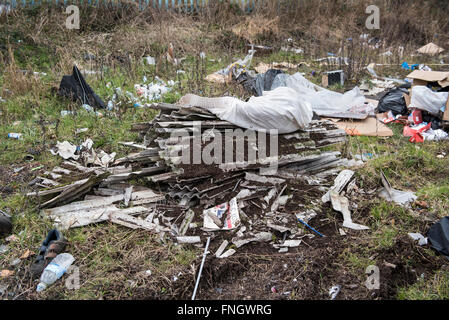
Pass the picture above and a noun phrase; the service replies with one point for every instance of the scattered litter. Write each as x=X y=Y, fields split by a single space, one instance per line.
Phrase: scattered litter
x=78 y=131
x=6 y=273
x=150 y=61
x=390 y=194
x=304 y=223
x=334 y=291
x=228 y=253
x=13 y=135
x=420 y=237
x=222 y=217
x=28 y=253
x=284 y=66
x=233 y=70
x=14 y=262
x=55 y=270
x=12 y=238
x=4 y=248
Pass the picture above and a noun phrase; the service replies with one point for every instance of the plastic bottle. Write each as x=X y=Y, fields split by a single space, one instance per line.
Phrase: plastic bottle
x=55 y=270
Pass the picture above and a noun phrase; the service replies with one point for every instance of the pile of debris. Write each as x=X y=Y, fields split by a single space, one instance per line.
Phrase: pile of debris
x=162 y=189
x=423 y=109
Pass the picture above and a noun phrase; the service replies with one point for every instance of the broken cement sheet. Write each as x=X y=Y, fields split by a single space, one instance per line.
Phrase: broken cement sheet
x=259 y=237
x=81 y=213
x=390 y=194
x=340 y=183
x=370 y=127
x=341 y=204
x=222 y=217
x=281 y=109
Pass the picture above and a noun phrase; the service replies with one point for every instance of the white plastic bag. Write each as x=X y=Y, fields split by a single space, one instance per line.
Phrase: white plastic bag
x=425 y=99
x=282 y=109
x=323 y=101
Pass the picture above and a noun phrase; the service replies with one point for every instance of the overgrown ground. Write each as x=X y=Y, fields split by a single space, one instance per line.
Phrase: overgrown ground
x=113 y=260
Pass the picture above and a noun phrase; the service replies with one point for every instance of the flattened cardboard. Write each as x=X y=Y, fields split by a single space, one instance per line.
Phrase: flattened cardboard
x=408 y=99
x=430 y=49
x=446 y=112
x=370 y=127
x=421 y=77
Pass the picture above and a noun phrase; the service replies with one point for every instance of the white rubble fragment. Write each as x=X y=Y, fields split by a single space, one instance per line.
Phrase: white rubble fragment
x=228 y=253
x=341 y=204
x=339 y=184
x=418 y=236
x=221 y=249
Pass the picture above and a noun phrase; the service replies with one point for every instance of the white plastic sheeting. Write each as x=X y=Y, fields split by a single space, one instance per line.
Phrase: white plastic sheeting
x=282 y=109
x=425 y=99
x=323 y=101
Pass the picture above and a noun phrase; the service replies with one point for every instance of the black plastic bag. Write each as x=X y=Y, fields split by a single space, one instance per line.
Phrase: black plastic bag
x=438 y=236
x=393 y=101
x=75 y=87
x=5 y=225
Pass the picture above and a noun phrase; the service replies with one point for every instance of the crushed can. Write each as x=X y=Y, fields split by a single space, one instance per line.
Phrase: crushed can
x=14 y=135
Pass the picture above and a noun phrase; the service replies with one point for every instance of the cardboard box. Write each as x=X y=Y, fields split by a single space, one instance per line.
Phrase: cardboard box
x=370 y=127
x=422 y=78
x=333 y=77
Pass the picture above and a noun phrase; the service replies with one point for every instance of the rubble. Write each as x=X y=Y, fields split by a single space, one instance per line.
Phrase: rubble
x=247 y=199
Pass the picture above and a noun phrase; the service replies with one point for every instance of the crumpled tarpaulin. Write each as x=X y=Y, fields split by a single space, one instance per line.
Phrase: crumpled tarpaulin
x=282 y=109
x=324 y=102
x=76 y=88
x=439 y=236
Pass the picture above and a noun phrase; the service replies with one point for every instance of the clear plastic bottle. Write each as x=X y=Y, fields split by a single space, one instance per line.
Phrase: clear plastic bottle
x=55 y=270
